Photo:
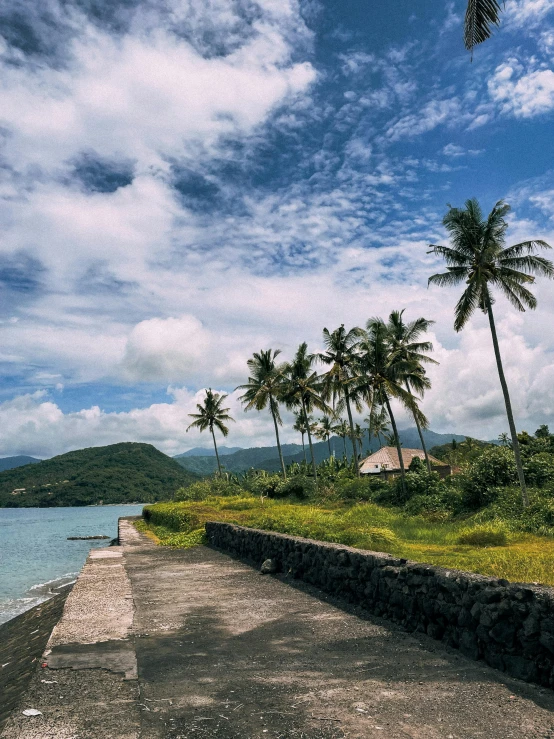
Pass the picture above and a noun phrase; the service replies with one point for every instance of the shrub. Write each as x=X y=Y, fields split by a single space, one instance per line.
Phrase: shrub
x=417 y=483
x=445 y=501
x=483 y=536
x=358 y=488
x=495 y=468
x=299 y=486
x=265 y=484
x=209 y=488
x=380 y=537
x=539 y=469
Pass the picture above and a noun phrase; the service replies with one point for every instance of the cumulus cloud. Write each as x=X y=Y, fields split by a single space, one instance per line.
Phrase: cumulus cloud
x=524 y=93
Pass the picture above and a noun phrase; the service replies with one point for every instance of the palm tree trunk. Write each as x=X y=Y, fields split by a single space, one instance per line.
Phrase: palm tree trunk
x=398 y=447
x=304 y=450
x=216 y=453
x=352 y=435
x=504 y=384
x=329 y=445
x=277 y=436
x=344 y=444
x=310 y=439
x=380 y=442
x=420 y=432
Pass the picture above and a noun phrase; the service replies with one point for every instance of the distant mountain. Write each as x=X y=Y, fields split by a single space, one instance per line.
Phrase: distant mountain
x=119 y=473
x=10 y=463
x=199 y=451
x=267 y=458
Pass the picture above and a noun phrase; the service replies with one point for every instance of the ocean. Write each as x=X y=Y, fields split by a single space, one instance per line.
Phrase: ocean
x=35 y=554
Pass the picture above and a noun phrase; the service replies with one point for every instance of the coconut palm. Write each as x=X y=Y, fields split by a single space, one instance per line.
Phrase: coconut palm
x=324 y=429
x=300 y=425
x=377 y=424
x=404 y=339
x=479 y=259
x=504 y=439
x=342 y=429
x=302 y=388
x=211 y=415
x=386 y=371
x=359 y=436
x=341 y=357
x=481 y=16
x=264 y=388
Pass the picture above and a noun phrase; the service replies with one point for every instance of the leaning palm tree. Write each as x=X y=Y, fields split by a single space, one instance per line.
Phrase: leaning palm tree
x=386 y=371
x=404 y=339
x=479 y=259
x=264 y=388
x=302 y=388
x=211 y=415
x=324 y=429
x=341 y=357
x=481 y=16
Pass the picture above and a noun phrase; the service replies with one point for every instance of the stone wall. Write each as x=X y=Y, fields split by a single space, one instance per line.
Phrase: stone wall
x=509 y=626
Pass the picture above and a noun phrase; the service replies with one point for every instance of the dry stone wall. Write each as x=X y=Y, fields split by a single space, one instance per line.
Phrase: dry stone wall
x=509 y=626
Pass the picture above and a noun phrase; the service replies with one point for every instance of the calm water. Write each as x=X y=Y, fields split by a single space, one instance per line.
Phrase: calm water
x=35 y=554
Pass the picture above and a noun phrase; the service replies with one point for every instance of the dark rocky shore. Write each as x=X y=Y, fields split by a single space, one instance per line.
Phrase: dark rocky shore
x=22 y=642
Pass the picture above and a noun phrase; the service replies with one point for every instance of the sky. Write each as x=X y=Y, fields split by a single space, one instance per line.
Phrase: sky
x=185 y=182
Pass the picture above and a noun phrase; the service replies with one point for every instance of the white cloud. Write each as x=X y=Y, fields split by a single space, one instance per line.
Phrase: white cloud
x=433 y=114
x=522 y=93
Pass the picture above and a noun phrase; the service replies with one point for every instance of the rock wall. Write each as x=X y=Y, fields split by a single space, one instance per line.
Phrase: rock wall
x=509 y=626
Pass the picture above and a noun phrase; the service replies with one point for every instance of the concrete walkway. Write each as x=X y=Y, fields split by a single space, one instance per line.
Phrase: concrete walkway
x=223 y=652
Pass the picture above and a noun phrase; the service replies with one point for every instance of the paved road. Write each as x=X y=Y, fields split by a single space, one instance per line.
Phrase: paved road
x=225 y=653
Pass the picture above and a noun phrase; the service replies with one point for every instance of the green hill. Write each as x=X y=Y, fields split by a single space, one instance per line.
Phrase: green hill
x=119 y=473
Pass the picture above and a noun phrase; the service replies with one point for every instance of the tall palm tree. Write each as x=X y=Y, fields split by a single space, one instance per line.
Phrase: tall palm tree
x=341 y=357
x=324 y=430
x=211 y=415
x=386 y=371
x=264 y=388
x=300 y=425
x=481 y=16
x=342 y=429
x=303 y=388
x=359 y=435
x=404 y=339
x=479 y=258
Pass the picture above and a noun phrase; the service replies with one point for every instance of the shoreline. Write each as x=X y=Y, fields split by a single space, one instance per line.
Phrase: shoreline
x=23 y=640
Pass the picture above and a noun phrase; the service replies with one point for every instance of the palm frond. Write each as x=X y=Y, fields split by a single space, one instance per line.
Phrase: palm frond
x=481 y=16
x=454 y=276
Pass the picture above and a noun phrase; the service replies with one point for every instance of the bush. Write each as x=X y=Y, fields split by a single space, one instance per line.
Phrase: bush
x=539 y=469
x=445 y=501
x=299 y=486
x=209 y=488
x=380 y=537
x=495 y=468
x=483 y=536
x=359 y=488
x=264 y=484
x=417 y=483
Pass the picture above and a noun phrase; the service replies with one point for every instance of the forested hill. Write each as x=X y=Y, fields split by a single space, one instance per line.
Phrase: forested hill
x=119 y=473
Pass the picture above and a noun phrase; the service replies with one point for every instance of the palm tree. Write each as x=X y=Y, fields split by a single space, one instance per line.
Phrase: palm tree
x=342 y=429
x=386 y=371
x=303 y=388
x=341 y=357
x=504 y=439
x=324 y=429
x=264 y=388
x=480 y=16
x=377 y=424
x=300 y=425
x=211 y=415
x=479 y=259
x=359 y=435
x=404 y=340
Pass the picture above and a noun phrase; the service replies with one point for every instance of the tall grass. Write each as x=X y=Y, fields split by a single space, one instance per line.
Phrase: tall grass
x=520 y=557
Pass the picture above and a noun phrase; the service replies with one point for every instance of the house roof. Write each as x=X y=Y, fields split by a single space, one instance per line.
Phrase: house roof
x=388 y=456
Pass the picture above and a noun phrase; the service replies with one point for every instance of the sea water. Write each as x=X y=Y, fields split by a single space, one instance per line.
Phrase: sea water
x=36 y=556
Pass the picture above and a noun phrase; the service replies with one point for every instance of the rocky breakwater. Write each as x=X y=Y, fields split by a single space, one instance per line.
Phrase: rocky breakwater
x=509 y=626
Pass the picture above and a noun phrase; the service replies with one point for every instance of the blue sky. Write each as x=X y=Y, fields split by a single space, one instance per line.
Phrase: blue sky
x=185 y=182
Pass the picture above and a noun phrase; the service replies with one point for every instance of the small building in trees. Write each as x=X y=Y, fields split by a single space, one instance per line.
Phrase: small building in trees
x=385 y=462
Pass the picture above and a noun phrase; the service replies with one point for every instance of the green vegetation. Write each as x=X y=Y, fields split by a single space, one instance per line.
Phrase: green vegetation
x=211 y=415
x=472 y=521
x=119 y=473
x=519 y=557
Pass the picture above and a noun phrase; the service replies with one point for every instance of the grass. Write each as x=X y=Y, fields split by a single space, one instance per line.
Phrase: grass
x=464 y=545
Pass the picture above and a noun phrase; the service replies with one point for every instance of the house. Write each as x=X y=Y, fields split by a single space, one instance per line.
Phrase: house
x=385 y=462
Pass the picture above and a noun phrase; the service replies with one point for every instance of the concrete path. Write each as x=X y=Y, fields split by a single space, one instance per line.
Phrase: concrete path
x=223 y=652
